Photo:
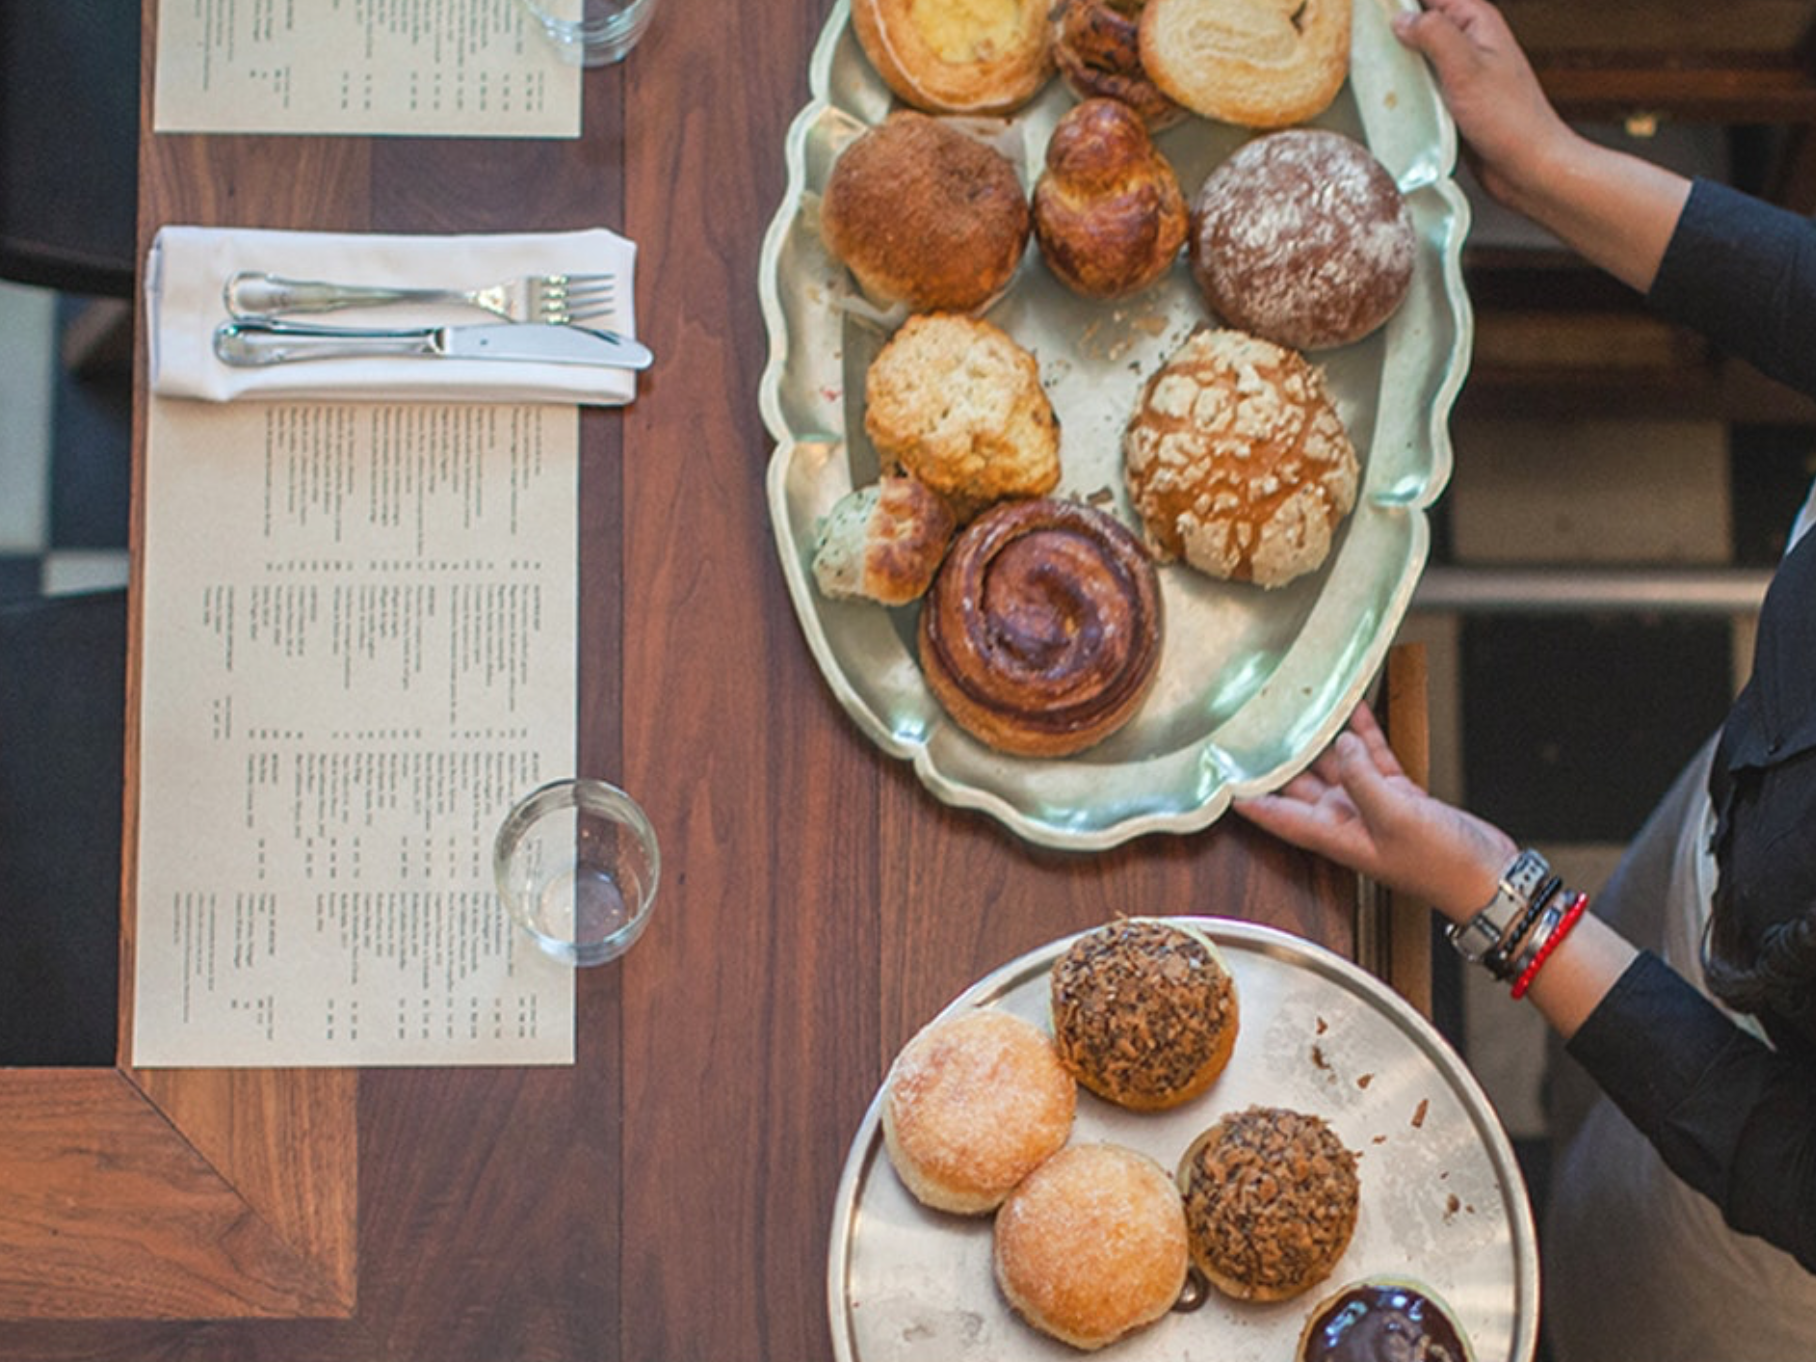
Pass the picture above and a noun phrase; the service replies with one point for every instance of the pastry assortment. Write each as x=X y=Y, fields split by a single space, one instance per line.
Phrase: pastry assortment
x=1093 y=1240
x=1235 y=462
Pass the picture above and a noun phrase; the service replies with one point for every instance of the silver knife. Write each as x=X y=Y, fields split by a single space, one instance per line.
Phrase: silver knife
x=255 y=344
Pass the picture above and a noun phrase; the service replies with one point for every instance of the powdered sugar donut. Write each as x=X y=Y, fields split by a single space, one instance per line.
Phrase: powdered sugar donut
x=1303 y=238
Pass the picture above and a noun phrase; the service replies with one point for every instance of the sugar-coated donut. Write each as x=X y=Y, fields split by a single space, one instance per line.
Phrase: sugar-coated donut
x=971 y=1106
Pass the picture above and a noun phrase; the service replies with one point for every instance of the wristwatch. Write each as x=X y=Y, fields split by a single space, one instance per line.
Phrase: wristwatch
x=1477 y=937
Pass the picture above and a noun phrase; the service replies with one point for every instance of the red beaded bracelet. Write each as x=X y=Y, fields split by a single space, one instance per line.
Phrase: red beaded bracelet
x=1571 y=914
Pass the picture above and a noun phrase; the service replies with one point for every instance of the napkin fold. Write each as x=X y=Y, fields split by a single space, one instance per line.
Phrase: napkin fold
x=188 y=267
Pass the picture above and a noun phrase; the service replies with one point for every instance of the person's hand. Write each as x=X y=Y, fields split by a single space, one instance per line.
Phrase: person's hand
x=1356 y=806
x=1491 y=91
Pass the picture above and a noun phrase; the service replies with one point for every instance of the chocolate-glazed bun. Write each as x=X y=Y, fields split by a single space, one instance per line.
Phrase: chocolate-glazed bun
x=1144 y=1012
x=1303 y=238
x=1383 y=1319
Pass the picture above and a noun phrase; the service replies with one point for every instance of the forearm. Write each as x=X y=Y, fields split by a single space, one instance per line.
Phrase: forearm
x=1615 y=210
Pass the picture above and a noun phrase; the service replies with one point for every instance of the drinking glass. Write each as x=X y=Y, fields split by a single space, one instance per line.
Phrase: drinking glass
x=592 y=32
x=576 y=863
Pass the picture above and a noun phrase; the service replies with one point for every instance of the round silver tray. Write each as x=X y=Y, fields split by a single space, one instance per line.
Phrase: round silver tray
x=1252 y=683
x=1442 y=1195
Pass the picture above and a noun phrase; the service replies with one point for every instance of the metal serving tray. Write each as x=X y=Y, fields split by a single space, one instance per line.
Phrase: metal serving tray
x=1442 y=1196
x=1252 y=683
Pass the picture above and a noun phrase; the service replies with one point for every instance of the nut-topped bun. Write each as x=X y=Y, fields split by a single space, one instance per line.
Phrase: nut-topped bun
x=1303 y=237
x=971 y=1106
x=883 y=542
x=1108 y=211
x=1097 y=47
x=956 y=402
x=1145 y=1012
x=925 y=215
x=1092 y=1245
x=1041 y=634
x=957 y=56
x=1383 y=1319
x=1255 y=63
x=1271 y=1197
x=1237 y=460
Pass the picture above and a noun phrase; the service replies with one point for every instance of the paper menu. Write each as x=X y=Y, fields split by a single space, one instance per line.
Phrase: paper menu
x=358 y=648
x=448 y=68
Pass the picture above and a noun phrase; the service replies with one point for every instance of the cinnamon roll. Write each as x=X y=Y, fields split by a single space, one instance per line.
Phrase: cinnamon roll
x=1041 y=634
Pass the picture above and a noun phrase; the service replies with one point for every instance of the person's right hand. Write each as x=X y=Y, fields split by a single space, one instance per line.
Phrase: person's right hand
x=1492 y=93
x=1356 y=806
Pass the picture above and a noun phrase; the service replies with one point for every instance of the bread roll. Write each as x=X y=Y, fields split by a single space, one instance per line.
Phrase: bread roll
x=956 y=402
x=1144 y=1012
x=957 y=56
x=1302 y=237
x=1271 y=1197
x=883 y=542
x=1041 y=633
x=1092 y=1245
x=925 y=215
x=1097 y=48
x=1108 y=211
x=971 y=1106
x=1255 y=63
x=1383 y=1319
x=1237 y=461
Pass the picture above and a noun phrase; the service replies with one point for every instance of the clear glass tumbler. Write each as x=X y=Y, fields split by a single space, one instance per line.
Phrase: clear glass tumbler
x=576 y=863
x=592 y=32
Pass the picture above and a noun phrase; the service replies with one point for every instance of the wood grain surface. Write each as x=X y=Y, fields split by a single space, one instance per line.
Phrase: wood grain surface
x=669 y=1196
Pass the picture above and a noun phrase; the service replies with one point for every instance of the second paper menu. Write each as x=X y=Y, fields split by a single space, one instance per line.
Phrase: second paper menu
x=359 y=647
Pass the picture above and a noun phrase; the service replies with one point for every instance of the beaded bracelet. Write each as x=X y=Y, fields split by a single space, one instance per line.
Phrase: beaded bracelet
x=1553 y=939
x=1499 y=960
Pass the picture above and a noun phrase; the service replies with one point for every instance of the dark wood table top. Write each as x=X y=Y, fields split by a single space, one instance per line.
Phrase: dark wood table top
x=670 y=1195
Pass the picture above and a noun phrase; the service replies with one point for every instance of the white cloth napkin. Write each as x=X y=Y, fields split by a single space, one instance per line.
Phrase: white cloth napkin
x=188 y=267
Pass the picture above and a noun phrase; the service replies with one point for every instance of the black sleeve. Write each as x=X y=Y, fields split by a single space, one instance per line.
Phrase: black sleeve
x=1730 y=1116
x=1743 y=273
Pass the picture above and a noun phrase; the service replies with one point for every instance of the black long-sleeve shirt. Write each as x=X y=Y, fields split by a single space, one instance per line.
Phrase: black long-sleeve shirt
x=1733 y=1117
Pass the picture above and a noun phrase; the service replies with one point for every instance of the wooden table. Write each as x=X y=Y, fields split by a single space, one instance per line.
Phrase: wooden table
x=669 y=1196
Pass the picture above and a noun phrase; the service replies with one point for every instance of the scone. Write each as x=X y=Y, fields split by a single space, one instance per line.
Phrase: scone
x=1383 y=1317
x=1254 y=63
x=957 y=403
x=1145 y=1012
x=1092 y=1245
x=883 y=542
x=925 y=215
x=1108 y=211
x=1097 y=48
x=1237 y=460
x=1041 y=635
x=971 y=1106
x=1303 y=238
x=957 y=56
x=1271 y=1198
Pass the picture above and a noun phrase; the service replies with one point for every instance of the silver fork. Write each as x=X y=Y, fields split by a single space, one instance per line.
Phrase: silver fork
x=551 y=298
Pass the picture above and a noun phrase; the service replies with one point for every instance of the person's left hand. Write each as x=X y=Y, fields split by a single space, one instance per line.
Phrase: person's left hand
x=1358 y=807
